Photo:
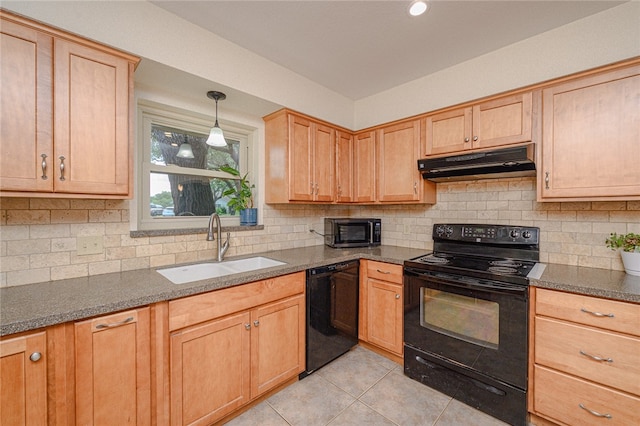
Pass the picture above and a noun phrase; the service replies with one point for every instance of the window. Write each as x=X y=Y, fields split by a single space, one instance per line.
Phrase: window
x=181 y=192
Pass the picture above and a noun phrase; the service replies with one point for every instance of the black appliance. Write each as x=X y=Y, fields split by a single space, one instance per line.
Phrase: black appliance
x=352 y=232
x=466 y=315
x=332 y=313
x=516 y=161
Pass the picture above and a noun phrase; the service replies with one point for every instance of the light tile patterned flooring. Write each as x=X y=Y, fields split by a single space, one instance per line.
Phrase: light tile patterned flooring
x=361 y=388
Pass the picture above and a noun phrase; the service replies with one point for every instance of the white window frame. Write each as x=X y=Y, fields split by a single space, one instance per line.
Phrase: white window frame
x=150 y=113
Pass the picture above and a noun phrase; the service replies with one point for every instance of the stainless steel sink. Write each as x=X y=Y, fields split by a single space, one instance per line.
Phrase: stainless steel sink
x=203 y=271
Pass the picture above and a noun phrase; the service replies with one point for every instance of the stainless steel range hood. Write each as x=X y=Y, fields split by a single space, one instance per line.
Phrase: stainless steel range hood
x=505 y=162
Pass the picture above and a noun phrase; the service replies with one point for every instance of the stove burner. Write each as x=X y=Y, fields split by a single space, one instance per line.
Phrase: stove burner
x=505 y=263
x=502 y=270
x=433 y=259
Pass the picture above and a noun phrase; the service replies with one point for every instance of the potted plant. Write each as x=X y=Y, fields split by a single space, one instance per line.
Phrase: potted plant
x=629 y=246
x=241 y=197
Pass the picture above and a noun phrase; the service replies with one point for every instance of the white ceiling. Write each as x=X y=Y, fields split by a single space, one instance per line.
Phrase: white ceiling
x=359 y=48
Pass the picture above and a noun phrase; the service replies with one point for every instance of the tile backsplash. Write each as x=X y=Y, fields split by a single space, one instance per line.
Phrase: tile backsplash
x=38 y=236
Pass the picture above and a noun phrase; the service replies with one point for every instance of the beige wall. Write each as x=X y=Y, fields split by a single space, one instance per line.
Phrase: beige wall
x=38 y=236
x=149 y=31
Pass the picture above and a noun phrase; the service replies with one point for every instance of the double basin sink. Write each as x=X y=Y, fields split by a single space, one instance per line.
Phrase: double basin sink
x=203 y=271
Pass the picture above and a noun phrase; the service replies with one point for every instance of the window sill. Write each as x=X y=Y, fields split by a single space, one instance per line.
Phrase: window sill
x=189 y=231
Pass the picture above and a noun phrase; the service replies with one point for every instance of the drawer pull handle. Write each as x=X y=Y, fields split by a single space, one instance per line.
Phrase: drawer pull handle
x=383 y=272
x=595 y=413
x=594 y=357
x=596 y=314
x=44 y=167
x=115 y=324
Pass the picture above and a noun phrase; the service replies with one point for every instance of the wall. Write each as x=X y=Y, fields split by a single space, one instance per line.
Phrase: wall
x=146 y=30
x=596 y=40
x=38 y=236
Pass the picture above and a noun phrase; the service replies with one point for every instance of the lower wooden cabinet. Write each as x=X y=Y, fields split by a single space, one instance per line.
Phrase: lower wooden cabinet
x=23 y=370
x=113 y=370
x=586 y=357
x=246 y=341
x=381 y=306
x=210 y=370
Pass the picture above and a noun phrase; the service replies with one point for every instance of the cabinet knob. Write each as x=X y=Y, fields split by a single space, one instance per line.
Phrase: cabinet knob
x=397 y=296
x=475 y=138
x=466 y=139
x=247 y=326
x=256 y=323
x=35 y=357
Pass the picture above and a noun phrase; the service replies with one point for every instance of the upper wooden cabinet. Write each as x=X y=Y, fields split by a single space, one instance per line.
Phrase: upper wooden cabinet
x=364 y=167
x=344 y=167
x=591 y=138
x=65 y=114
x=503 y=121
x=397 y=157
x=300 y=159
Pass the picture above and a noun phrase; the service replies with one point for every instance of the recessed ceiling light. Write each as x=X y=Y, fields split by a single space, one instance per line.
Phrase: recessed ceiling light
x=418 y=7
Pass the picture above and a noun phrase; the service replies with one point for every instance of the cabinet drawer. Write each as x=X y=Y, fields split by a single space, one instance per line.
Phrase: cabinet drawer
x=203 y=307
x=570 y=348
x=560 y=396
x=608 y=314
x=384 y=271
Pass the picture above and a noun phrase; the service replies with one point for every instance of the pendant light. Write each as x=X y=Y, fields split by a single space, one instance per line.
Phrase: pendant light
x=185 y=150
x=216 y=137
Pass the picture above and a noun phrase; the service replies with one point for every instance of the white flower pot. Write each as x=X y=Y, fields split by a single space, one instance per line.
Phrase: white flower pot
x=631 y=262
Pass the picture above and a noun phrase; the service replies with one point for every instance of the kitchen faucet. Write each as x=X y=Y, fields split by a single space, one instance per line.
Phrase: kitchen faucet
x=222 y=248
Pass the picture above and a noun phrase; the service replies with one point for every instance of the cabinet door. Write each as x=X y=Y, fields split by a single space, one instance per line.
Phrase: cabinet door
x=384 y=311
x=502 y=121
x=26 y=109
x=277 y=343
x=324 y=161
x=364 y=165
x=23 y=369
x=398 y=151
x=209 y=368
x=344 y=167
x=113 y=369
x=91 y=101
x=591 y=134
x=301 y=185
x=448 y=132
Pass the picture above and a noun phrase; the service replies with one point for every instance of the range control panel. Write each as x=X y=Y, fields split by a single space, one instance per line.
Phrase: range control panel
x=495 y=234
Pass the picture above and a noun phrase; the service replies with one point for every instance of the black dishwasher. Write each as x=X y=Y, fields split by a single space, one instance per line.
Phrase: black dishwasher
x=332 y=313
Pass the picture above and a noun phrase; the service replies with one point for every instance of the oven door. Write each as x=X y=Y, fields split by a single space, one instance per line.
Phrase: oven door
x=475 y=323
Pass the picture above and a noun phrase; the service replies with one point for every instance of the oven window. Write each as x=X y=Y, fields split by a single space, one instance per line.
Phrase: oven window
x=466 y=318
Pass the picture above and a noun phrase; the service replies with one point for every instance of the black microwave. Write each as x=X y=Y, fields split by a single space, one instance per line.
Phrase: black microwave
x=352 y=232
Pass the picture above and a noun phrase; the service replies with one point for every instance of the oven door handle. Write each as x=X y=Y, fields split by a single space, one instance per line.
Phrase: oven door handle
x=451 y=280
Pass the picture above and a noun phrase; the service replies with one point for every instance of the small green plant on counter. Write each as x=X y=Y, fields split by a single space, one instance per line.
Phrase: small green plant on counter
x=629 y=242
x=242 y=194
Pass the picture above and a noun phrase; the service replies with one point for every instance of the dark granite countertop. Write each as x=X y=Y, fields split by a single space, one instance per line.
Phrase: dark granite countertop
x=615 y=285
x=32 y=306
x=28 y=307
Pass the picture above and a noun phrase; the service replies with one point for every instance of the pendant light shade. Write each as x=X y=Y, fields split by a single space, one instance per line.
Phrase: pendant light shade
x=216 y=137
x=185 y=151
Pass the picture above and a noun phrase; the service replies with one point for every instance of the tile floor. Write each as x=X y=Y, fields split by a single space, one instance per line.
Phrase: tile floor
x=361 y=388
